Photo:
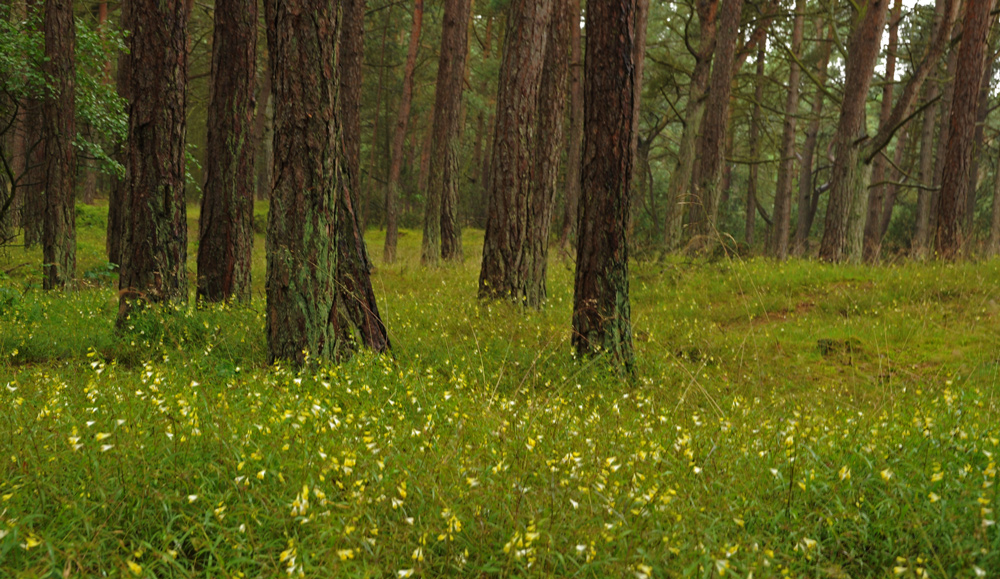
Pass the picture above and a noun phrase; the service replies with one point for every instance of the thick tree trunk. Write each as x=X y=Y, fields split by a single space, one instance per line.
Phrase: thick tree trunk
x=506 y=265
x=154 y=246
x=876 y=194
x=442 y=233
x=846 y=175
x=601 y=312
x=962 y=122
x=225 y=240
x=574 y=149
x=118 y=193
x=305 y=315
x=805 y=218
x=754 y=143
x=59 y=113
x=399 y=137
x=707 y=192
x=548 y=149
x=782 y=214
x=17 y=149
x=680 y=179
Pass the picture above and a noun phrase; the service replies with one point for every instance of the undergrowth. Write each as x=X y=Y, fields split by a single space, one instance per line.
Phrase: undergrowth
x=791 y=419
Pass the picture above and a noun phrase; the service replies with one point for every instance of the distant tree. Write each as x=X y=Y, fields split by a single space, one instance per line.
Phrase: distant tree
x=118 y=193
x=962 y=125
x=505 y=268
x=399 y=137
x=601 y=309
x=782 y=214
x=442 y=233
x=154 y=244
x=59 y=117
x=306 y=313
x=226 y=223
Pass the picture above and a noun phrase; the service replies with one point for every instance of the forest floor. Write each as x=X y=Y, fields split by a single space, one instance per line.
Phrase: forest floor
x=793 y=419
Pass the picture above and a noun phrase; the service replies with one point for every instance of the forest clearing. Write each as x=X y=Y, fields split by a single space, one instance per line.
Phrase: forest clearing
x=794 y=419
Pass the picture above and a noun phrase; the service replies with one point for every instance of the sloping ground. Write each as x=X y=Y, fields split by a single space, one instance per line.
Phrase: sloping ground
x=795 y=419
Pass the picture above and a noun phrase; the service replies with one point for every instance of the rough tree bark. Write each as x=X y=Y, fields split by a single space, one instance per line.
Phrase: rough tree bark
x=575 y=131
x=680 y=179
x=58 y=112
x=225 y=240
x=601 y=311
x=782 y=214
x=305 y=304
x=399 y=137
x=505 y=266
x=118 y=193
x=154 y=243
x=442 y=233
x=962 y=126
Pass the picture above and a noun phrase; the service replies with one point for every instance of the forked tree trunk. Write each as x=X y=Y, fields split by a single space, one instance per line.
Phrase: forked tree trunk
x=399 y=137
x=442 y=233
x=782 y=214
x=602 y=321
x=680 y=178
x=154 y=246
x=708 y=190
x=962 y=123
x=575 y=134
x=225 y=240
x=804 y=223
x=505 y=266
x=59 y=111
x=305 y=315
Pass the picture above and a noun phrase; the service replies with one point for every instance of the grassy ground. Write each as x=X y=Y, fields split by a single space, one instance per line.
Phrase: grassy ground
x=787 y=420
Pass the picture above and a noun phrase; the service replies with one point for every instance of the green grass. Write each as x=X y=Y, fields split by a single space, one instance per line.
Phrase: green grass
x=790 y=419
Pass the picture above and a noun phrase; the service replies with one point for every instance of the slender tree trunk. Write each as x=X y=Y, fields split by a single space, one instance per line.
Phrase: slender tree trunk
x=754 y=143
x=962 y=123
x=575 y=134
x=305 y=306
x=263 y=130
x=506 y=265
x=154 y=247
x=59 y=113
x=892 y=189
x=548 y=149
x=681 y=177
x=926 y=176
x=982 y=112
x=351 y=53
x=782 y=214
x=705 y=210
x=225 y=240
x=846 y=176
x=362 y=208
x=876 y=193
x=33 y=185
x=805 y=218
x=602 y=320
x=993 y=249
x=442 y=233
x=399 y=137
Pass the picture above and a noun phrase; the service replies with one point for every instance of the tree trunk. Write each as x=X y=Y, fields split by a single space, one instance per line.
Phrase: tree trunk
x=506 y=266
x=575 y=135
x=705 y=208
x=399 y=137
x=154 y=247
x=59 y=113
x=548 y=149
x=804 y=223
x=264 y=133
x=601 y=311
x=782 y=214
x=442 y=233
x=754 y=143
x=926 y=176
x=846 y=175
x=225 y=240
x=118 y=193
x=962 y=125
x=982 y=112
x=680 y=179
x=993 y=249
x=304 y=304
x=351 y=53
x=892 y=189
x=876 y=193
